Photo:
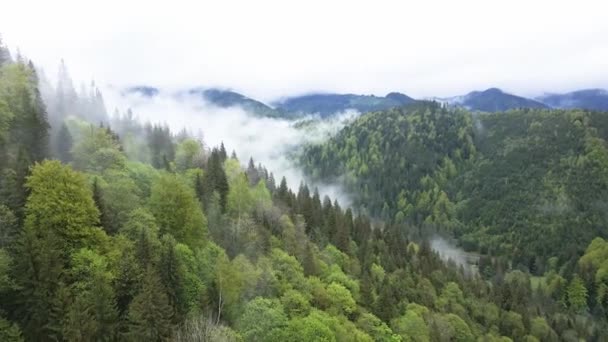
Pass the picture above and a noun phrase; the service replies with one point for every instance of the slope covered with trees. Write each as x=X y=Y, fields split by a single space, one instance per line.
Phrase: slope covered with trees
x=527 y=187
x=513 y=183
x=140 y=234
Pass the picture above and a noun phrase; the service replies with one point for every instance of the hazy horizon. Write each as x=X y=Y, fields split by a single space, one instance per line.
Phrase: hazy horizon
x=272 y=49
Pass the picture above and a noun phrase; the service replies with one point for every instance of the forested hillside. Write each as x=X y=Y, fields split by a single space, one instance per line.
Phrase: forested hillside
x=525 y=186
x=129 y=232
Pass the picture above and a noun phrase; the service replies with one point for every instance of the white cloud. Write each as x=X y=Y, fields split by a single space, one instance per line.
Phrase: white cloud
x=267 y=140
x=271 y=48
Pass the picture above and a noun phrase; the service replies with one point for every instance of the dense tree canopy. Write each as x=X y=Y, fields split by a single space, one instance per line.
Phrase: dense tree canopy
x=137 y=233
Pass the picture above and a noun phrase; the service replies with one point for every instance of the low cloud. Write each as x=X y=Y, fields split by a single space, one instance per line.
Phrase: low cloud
x=448 y=251
x=268 y=141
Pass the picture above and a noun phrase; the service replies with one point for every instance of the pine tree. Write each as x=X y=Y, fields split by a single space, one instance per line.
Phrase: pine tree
x=37 y=121
x=577 y=294
x=13 y=186
x=170 y=274
x=309 y=264
x=271 y=184
x=104 y=218
x=215 y=179
x=252 y=173
x=366 y=290
x=150 y=313
x=223 y=154
x=39 y=271
x=199 y=188
x=64 y=144
x=5 y=55
x=385 y=307
x=283 y=192
x=9 y=229
x=66 y=97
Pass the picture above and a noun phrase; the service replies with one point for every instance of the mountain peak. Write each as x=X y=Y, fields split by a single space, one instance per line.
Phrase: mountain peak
x=493 y=90
x=399 y=97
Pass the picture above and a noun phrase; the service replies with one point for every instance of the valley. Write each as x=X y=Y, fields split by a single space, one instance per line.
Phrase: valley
x=315 y=171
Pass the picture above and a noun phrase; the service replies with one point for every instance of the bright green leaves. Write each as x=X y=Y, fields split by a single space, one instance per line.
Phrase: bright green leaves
x=97 y=151
x=60 y=203
x=177 y=211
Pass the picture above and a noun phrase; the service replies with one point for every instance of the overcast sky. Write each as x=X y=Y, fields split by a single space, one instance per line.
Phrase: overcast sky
x=269 y=48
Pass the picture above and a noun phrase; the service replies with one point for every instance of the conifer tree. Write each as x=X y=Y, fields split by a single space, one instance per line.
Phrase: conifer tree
x=150 y=313
x=64 y=144
x=5 y=55
x=104 y=220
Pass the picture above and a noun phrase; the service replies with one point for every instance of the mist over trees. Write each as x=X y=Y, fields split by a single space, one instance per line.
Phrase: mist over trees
x=117 y=230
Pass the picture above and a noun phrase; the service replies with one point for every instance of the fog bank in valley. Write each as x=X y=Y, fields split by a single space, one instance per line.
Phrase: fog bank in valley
x=449 y=251
x=268 y=141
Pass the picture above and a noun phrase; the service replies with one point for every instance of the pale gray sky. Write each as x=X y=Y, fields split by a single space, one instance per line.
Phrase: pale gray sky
x=270 y=48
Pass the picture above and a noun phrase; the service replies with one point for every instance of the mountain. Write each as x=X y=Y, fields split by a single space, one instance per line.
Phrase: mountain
x=592 y=99
x=328 y=104
x=219 y=97
x=511 y=183
x=227 y=98
x=493 y=100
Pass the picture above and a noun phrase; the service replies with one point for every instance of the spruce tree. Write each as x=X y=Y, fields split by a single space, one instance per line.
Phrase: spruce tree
x=104 y=218
x=150 y=312
x=63 y=144
x=223 y=154
x=5 y=55
x=252 y=173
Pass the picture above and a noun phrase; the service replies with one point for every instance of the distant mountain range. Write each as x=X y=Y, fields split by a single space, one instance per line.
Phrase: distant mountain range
x=227 y=98
x=593 y=99
x=492 y=100
x=327 y=104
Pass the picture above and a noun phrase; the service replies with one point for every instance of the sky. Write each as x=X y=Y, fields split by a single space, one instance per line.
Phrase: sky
x=269 y=49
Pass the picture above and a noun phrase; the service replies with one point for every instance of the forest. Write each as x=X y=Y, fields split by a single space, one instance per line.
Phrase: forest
x=112 y=229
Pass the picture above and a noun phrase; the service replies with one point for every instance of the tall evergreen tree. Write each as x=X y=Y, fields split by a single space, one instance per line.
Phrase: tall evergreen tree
x=5 y=55
x=63 y=144
x=252 y=173
x=104 y=218
x=223 y=154
x=150 y=312
x=215 y=179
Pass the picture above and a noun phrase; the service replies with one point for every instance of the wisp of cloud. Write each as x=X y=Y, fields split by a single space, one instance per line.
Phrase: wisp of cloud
x=268 y=141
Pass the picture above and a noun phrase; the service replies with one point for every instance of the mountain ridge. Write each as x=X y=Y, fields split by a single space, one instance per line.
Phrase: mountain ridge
x=327 y=104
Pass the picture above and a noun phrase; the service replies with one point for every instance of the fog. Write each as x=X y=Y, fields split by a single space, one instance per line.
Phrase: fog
x=448 y=251
x=268 y=141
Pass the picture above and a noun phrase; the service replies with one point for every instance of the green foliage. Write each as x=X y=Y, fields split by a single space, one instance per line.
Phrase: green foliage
x=375 y=328
x=511 y=183
x=411 y=327
x=188 y=155
x=239 y=200
x=150 y=313
x=92 y=315
x=295 y=304
x=341 y=300
x=176 y=210
x=9 y=332
x=262 y=320
x=8 y=227
x=577 y=294
x=284 y=266
x=370 y=152
x=310 y=328
x=60 y=219
x=60 y=203
x=97 y=151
